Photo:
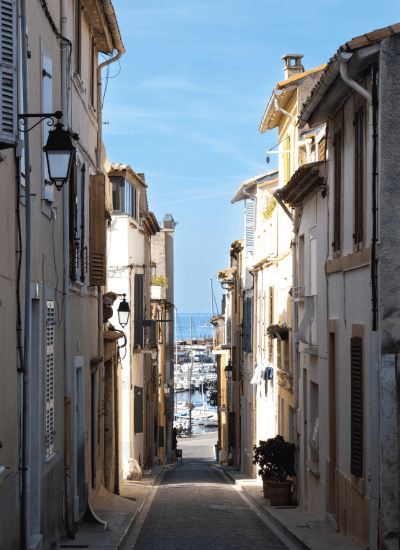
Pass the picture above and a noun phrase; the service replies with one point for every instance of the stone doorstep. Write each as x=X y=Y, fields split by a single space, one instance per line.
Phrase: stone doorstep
x=304 y=530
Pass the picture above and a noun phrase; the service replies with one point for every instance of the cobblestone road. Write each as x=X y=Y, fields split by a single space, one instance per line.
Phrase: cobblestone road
x=195 y=508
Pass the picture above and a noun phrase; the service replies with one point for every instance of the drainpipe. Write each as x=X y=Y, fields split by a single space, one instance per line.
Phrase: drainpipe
x=116 y=422
x=24 y=539
x=68 y=419
x=374 y=349
x=100 y=106
x=278 y=93
x=278 y=199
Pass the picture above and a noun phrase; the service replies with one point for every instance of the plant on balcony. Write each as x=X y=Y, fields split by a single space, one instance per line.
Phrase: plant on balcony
x=278 y=331
x=275 y=459
x=160 y=280
x=270 y=209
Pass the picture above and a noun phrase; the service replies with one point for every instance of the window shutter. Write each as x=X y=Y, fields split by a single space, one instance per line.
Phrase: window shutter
x=97 y=228
x=8 y=73
x=313 y=289
x=247 y=324
x=83 y=249
x=271 y=320
x=49 y=430
x=160 y=436
x=138 y=410
x=249 y=225
x=73 y=224
x=138 y=311
x=337 y=200
x=359 y=178
x=357 y=412
x=47 y=107
x=231 y=429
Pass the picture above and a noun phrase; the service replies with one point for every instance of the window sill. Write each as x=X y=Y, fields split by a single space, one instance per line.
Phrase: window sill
x=50 y=461
x=358 y=484
x=314 y=468
x=313 y=350
x=79 y=83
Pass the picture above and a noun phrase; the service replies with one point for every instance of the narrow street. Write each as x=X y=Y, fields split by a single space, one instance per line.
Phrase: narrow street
x=195 y=507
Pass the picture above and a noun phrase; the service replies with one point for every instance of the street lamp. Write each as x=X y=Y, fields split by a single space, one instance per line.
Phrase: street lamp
x=123 y=312
x=59 y=155
x=228 y=371
x=166 y=388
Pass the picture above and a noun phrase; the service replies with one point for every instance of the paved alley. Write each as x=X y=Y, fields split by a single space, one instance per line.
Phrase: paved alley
x=195 y=507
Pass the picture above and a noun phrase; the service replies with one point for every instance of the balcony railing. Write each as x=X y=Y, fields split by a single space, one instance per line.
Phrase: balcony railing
x=222 y=335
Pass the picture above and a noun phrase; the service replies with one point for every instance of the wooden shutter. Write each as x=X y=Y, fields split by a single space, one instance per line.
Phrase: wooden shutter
x=97 y=227
x=73 y=223
x=286 y=160
x=359 y=178
x=313 y=289
x=138 y=311
x=271 y=320
x=231 y=429
x=138 y=410
x=249 y=225
x=83 y=249
x=337 y=199
x=49 y=428
x=8 y=74
x=357 y=408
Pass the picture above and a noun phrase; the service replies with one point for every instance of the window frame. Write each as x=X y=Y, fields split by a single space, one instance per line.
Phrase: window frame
x=128 y=194
x=359 y=106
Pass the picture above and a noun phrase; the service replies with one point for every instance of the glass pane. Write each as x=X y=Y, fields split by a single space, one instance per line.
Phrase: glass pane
x=58 y=164
x=133 y=206
x=116 y=195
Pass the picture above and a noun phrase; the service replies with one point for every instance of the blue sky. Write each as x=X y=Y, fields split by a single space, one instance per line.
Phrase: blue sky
x=187 y=103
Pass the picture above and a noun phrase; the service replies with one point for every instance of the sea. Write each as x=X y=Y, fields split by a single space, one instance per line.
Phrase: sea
x=199 y=330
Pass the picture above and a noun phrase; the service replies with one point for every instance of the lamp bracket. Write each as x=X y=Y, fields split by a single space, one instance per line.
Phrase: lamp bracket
x=44 y=116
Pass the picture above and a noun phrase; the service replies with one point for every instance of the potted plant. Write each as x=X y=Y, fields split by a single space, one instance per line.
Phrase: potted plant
x=278 y=331
x=275 y=458
x=160 y=281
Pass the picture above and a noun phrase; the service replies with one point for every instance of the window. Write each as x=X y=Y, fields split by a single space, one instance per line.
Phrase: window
x=47 y=107
x=357 y=407
x=359 y=178
x=286 y=160
x=337 y=198
x=92 y=74
x=247 y=309
x=49 y=428
x=78 y=251
x=249 y=225
x=313 y=284
x=78 y=36
x=124 y=197
x=138 y=311
x=271 y=320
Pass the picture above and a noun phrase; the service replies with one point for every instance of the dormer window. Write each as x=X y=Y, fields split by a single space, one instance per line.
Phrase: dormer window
x=124 y=197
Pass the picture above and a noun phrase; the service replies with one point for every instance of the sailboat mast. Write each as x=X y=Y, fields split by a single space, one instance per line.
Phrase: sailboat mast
x=212 y=303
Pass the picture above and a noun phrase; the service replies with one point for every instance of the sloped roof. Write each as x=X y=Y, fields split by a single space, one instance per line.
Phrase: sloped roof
x=303 y=182
x=332 y=69
x=272 y=117
x=249 y=186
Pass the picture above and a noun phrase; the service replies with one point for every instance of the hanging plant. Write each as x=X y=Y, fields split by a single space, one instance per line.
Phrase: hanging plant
x=160 y=281
x=278 y=331
x=270 y=209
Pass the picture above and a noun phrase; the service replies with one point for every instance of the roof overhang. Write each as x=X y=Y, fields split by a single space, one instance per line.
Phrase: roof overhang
x=123 y=170
x=331 y=90
x=305 y=181
x=150 y=223
x=248 y=189
x=226 y=275
x=272 y=116
x=101 y=17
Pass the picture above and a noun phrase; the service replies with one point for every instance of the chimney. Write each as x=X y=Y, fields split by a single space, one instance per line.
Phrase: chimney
x=293 y=65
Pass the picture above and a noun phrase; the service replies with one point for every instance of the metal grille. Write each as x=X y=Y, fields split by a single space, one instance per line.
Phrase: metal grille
x=49 y=431
x=359 y=178
x=337 y=204
x=357 y=424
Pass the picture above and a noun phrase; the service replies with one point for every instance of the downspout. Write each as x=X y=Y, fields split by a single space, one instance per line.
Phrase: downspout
x=24 y=540
x=278 y=199
x=374 y=343
x=277 y=108
x=68 y=419
x=116 y=422
x=100 y=106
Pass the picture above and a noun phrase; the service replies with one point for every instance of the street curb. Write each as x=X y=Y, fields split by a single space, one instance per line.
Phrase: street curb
x=284 y=530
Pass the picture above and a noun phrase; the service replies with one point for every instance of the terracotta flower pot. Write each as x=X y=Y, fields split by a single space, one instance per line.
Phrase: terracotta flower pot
x=280 y=493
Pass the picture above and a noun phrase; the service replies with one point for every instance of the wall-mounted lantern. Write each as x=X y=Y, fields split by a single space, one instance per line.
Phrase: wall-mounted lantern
x=228 y=371
x=59 y=155
x=123 y=312
x=166 y=388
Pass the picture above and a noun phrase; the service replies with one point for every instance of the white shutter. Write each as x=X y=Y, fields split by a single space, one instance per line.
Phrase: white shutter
x=249 y=225
x=8 y=74
x=49 y=430
x=313 y=288
x=47 y=107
